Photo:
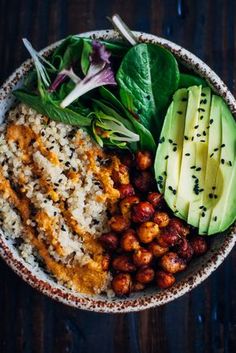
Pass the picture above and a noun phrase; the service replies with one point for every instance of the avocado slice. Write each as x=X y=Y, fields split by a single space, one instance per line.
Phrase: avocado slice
x=185 y=193
x=213 y=162
x=160 y=164
x=196 y=207
x=224 y=212
x=175 y=144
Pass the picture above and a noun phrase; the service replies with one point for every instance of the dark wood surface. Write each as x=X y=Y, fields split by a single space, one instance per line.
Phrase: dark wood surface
x=199 y=322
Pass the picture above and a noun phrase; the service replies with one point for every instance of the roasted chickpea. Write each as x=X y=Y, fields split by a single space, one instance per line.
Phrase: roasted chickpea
x=144 y=181
x=142 y=212
x=164 y=279
x=185 y=249
x=106 y=262
x=137 y=287
x=156 y=249
x=109 y=241
x=145 y=275
x=155 y=199
x=120 y=175
x=143 y=160
x=172 y=263
x=127 y=159
x=119 y=223
x=147 y=231
x=123 y=263
x=178 y=225
x=126 y=190
x=161 y=218
x=129 y=241
x=142 y=257
x=168 y=237
x=199 y=245
x=126 y=205
x=121 y=284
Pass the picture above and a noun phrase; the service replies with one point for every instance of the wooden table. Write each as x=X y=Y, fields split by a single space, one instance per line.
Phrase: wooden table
x=199 y=322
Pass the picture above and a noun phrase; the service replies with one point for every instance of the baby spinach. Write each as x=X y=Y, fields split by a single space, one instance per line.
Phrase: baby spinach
x=148 y=76
x=186 y=80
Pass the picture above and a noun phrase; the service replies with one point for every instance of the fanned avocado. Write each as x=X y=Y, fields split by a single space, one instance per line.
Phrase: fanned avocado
x=199 y=183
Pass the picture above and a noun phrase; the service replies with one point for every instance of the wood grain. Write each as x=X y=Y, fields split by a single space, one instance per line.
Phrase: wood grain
x=199 y=322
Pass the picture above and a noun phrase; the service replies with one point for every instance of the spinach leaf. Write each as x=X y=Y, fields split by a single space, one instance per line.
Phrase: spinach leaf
x=186 y=80
x=52 y=109
x=148 y=76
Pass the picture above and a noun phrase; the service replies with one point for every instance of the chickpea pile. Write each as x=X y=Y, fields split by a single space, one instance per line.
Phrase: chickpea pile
x=146 y=244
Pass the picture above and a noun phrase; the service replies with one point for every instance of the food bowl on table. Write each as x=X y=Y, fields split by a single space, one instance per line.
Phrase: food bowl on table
x=200 y=268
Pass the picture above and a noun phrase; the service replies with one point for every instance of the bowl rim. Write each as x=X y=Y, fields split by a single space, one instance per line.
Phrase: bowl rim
x=93 y=303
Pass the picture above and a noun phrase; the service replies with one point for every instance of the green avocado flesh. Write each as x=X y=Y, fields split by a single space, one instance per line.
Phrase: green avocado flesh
x=195 y=165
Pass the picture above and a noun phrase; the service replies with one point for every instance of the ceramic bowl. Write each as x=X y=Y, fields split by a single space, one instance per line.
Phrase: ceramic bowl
x=199 y=269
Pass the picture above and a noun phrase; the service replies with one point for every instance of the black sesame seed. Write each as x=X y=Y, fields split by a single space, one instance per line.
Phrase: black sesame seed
x=60 y=180
x=203 y=94
x=162 y=139
x=211 y=121
x=230 y=163
x=212 y=155
x=222 y=161
x=67 y=164
x=216 y=149
x=213 y=187
x=164 y=173
x=193 y=167
x=179 y=112
x=194 y=176
x=74 y=169
x=174 y=192
x=201 y=190
x=203 y=214
x=55 y=213
x=198 y=135
x=211 y=196
x=170 y=141
x=56 y=184
x=43 y=133
x=201 y=207
x=174 y=149
x=204 y=133
x=184 y=99
x=63 y=228
x=202 y=140
x=201 y=117
x=186 y=137
x=215 y=218
x=175 y=144
x=187 y=154
x=223 y=145
x=198 y=169
x=203 y=101
x=215 y=196
x=196 y=126
x=166 y=157
x=160 y=177
x=170 y=188
x=192 y=138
